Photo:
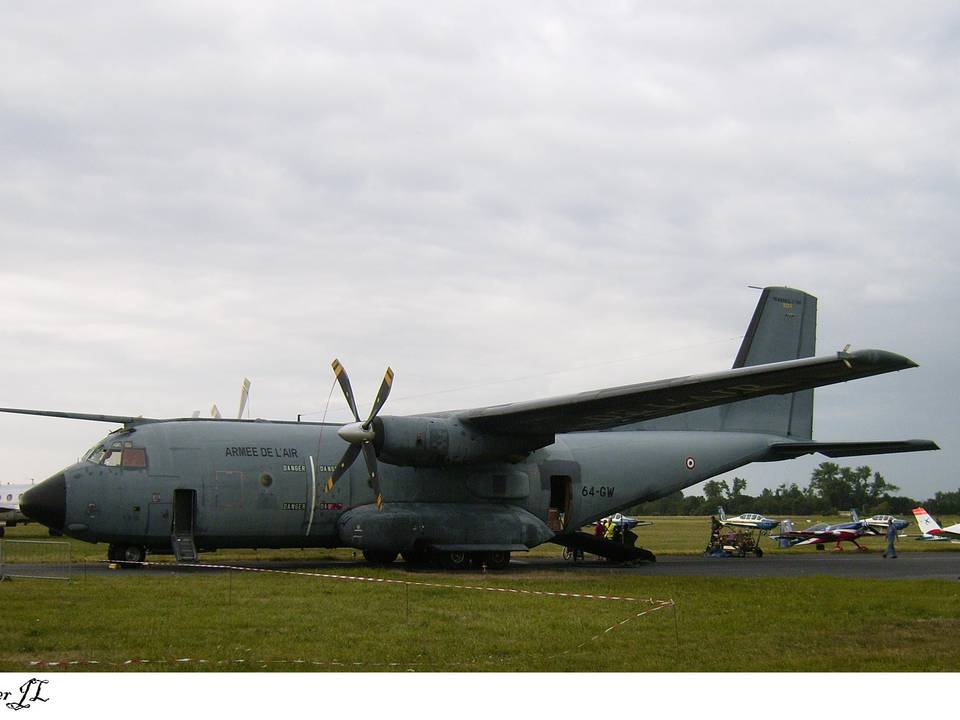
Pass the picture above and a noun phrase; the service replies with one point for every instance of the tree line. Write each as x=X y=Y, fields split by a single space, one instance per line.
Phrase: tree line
x=831 y=489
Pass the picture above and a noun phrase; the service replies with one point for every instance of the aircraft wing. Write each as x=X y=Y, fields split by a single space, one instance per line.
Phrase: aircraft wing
x=798 y=537
x=808 y=537
x=120 y=419
x=603 y=409
x=816 y=540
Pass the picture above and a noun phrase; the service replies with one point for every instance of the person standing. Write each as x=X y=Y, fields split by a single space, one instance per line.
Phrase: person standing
x=891 y=551
x=610 y=530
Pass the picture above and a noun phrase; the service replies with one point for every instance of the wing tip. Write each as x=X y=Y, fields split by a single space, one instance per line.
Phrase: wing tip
x=885 y=359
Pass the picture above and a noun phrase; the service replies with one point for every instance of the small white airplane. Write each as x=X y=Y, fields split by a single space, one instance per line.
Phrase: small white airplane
x=625 y=522
x=878 y=524
x=931 y=528
x=10 y=514
x=753 y=521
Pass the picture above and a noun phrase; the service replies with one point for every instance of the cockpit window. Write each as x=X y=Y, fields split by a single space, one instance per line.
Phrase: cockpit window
x=94 y=454
x=117 y=455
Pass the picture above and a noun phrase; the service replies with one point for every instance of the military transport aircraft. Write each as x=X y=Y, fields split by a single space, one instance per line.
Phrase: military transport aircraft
x=456 y=486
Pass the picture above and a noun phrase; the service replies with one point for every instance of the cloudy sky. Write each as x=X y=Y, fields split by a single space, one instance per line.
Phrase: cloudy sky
x=503 y=201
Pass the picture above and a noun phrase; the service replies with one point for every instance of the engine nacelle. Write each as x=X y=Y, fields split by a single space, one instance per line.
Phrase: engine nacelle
x=439 y=441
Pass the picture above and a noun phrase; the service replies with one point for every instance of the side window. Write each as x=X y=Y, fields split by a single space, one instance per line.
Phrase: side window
x=134 y=458
x=111 y=458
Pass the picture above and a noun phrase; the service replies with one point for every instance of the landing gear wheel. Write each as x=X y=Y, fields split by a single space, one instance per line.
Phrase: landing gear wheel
x=379 y=557
x=758 y=552
x=127 y=555
x=497 y=559
x=134 y=554
x=454 y=560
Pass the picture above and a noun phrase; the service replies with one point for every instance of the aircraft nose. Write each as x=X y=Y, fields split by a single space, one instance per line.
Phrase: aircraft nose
x=47 y=502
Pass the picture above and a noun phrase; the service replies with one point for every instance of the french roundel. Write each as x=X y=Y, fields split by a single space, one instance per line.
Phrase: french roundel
x=691 y=463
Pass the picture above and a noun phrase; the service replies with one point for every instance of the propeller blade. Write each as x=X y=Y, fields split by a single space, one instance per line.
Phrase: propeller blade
x=359 y=435
x=345 y=386
x=382 y=396
x=370 y=456
x=345 y=462
x=244 y=394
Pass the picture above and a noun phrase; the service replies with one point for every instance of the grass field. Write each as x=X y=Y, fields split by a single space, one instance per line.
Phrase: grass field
x=282 y=622
x=255 y=621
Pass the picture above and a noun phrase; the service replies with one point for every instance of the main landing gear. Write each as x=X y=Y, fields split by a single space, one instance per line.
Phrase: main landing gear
x=126 y=555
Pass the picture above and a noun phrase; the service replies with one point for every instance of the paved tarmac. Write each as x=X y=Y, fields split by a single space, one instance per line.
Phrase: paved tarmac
x=908 y=565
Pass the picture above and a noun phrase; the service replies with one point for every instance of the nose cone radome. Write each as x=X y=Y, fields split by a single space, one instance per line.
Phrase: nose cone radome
x=47 y=502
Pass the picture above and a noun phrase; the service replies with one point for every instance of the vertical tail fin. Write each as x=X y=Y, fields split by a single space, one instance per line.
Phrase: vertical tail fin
x=854 y=515
x=783 y=327
x=928 y=526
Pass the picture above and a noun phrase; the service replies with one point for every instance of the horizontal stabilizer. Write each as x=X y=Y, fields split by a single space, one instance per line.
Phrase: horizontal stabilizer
x=788 y=450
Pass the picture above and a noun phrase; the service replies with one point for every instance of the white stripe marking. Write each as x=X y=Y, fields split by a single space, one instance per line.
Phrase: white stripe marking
x=313 y=494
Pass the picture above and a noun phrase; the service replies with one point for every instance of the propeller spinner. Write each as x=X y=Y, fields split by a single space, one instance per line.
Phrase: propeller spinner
x=360 y=435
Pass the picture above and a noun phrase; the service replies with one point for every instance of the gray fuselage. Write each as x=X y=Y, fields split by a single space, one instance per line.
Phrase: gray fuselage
x=261 y=484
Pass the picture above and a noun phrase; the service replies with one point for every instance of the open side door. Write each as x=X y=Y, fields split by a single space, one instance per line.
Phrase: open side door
x=184 y=522
x=561 y=494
